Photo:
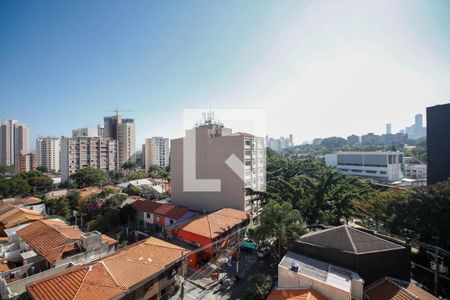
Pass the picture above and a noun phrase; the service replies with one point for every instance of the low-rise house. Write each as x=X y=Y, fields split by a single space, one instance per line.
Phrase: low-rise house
x=28 y=202
x=391 y=288
x=371 y=255
x=209 y=229
x=43 y=247
x=12 y=216
x=161 y=214
x=297 y=271
x=145 y=270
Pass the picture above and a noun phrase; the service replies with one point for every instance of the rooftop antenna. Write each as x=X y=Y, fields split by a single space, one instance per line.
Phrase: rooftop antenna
x=117 y=110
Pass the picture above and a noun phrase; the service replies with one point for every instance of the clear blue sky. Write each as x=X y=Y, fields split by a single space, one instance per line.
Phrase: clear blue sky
x=321 y=68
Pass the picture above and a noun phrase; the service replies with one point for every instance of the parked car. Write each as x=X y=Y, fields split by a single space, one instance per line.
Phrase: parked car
x=263 y=251
x=248 y=245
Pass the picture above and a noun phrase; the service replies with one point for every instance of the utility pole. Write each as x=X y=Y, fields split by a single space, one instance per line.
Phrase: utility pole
x=436 y=271
x=238 y=243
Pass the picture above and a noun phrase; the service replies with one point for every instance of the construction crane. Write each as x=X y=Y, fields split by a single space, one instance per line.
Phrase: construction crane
x=117 y=110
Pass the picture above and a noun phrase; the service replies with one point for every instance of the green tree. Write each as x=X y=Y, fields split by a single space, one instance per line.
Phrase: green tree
x=132 y=190
x=42 y=169
x=17 y=185
x=89 y=177
x=280 y=221
x=258 y=288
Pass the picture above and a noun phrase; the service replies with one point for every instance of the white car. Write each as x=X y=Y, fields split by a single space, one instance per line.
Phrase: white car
x=263 y=252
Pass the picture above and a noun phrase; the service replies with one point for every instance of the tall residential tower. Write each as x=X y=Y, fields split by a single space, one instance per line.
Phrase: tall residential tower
x=124 y=131
x=156 y=152
x=14 y=140
x=48 y=150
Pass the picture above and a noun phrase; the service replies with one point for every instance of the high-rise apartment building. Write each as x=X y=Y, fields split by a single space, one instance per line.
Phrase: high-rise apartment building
x=232 y=161
x=438 y=143
x=124 y=131
x=156 y=152
x=25 y=162
x=14 y=140
x=82 y=152
x=48 y=150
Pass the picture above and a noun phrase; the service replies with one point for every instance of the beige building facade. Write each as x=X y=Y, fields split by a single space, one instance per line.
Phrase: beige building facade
x=156 y=152
x=216 y=145
x=83 y=152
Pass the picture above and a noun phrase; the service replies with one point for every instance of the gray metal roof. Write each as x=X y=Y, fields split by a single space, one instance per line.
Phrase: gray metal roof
x=349 y=239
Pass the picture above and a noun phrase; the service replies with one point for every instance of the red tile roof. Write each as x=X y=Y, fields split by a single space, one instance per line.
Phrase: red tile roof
x=11 y=216
x=167 y=210
x=53 y=238
x=391 y=288
x=111 y=276
x=214 y=224
x=18 y=201
x=295 y=294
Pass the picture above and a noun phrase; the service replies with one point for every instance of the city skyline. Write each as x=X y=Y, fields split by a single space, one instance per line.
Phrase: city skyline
x=388 y=59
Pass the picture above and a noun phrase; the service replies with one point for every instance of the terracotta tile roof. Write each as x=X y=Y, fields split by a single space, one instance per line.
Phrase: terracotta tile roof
x=171 y=211
x=78 y=283
x=214 y=224
x=146 y=206
x=300 y=294
x=19 y=201
x=111 y=276
x=168 y=210
x=53 y=238
x=11 y=216
x=391 y=288
x=50 y=238
x=87 y=192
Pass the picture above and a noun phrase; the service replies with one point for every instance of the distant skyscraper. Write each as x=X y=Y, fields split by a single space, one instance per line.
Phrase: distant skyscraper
x=388 y=128
x=14 y=140
x=48 y=152
x=418 y=121
x=156 y=152
x=291 y=140
x=124 y=131
x=438 y=143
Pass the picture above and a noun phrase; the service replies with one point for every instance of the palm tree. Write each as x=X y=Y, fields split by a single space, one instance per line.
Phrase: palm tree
x=279 y=221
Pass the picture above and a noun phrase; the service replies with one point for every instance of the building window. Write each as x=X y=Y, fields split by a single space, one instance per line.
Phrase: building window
x=148 y=215
x=383 y=172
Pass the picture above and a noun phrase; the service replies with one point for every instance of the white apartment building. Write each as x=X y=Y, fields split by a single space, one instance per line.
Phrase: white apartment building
x=48 y=150
x=383 y=166
x=81 y=152
x=209 y=156
x=14 y=140
x=156 y=152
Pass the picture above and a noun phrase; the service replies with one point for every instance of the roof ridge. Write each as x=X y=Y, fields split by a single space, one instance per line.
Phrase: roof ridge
x=350 y=239
x=374 y=236
x=313 y=233
x=209 y=226
x=81 y=283
x=394 y=281
x=109 y=273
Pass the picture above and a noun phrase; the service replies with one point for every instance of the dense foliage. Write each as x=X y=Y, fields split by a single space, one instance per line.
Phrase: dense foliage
x=89 y=177
x=258 y=288
x=24 y=183
x=322 y=195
